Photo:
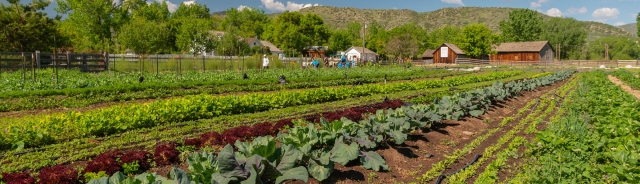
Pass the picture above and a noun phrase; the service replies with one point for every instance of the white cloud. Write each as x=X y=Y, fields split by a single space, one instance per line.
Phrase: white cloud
x=172 y=7
x=242 y=7
x=458 y=2
x=619 y=23
x=189 y=2
x=603 y=14
x=278 y=6
x=554 y=12
x=582 y=10
x=538 y=3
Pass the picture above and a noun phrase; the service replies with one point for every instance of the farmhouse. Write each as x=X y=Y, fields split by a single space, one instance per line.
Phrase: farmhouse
x=448 y=53
x=524 y=51
x=272 y=48
x=355 y=52
x=252 y=42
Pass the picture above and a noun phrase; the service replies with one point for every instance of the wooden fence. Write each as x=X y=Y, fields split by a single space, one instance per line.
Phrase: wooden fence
x=12 y=61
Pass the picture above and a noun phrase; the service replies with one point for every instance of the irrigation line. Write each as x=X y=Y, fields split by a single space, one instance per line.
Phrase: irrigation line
x=442 y=176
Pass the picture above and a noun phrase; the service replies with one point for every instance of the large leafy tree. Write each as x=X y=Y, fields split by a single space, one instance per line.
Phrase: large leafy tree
x=523 y=25
x=189 y=28
x=26 y=27
x=376 y=37
x=94 y=23
x=620 y=48
x=293 y=31
x=405 y=41
x=446 y=34
x=567 y=32
x=476 y=40
x=248 y=22
x=340 y=40
x=154 y=11
x=145 y=36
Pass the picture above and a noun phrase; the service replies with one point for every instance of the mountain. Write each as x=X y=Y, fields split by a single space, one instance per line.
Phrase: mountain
x=632 y=28
x=389 y=18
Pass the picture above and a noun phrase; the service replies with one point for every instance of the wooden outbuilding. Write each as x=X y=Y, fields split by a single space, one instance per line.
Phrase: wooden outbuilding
x=524 y=51
x=428 y=54
x=448 y=53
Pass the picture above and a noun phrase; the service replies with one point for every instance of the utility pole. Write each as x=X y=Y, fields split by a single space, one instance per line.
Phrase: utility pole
x=606 y=52
x=365 y=35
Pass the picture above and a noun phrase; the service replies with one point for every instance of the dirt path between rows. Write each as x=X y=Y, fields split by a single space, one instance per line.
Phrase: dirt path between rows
x=625 y=87
x=410 y=160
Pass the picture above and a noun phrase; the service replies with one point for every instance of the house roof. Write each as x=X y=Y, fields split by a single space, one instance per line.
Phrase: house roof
x=428 y=53
x=251 y=40
x=272 y=48
x=521 y=46
x=359 y=50
x=453 y=47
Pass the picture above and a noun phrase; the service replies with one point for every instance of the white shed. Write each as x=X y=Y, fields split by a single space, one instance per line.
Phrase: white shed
x=356 y=52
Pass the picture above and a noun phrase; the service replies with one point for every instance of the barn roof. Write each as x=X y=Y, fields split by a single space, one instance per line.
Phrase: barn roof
x=521 y=46
x=272 y=47
x=428 y=53
x=359 y=50
x=453 y=47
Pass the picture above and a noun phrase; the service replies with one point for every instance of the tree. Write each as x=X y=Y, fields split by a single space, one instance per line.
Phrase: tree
x=94 y=23
x=144 y=36
x=405 y=41
x=523 y=25
x=446 y=34
x=376 y=37
x=249 y=22
x=620 y=48
x=567 y=32
x=154 y=11
x=193 y=36
x=293 y=31
x=26 y=27
x=476 y=40
x=340 y=40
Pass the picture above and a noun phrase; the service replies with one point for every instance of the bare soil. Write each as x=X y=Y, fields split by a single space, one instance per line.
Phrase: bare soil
x=628 y=89
x=408 y=161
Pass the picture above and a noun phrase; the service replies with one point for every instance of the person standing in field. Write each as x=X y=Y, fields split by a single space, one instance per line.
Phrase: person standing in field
x=315 y=63
x=326 y=62
x=265 y=62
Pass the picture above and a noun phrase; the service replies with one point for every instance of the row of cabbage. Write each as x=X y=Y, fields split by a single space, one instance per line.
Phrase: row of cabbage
x=60 y=127
x=309 y=151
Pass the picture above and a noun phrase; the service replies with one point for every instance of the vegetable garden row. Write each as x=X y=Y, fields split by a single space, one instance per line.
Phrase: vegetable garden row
x=303 y=151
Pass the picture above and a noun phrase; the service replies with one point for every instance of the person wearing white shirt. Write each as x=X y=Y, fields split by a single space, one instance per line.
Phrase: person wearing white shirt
x=265 y=62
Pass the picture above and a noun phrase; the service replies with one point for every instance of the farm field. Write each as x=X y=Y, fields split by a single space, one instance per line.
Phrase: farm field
x=378 y=125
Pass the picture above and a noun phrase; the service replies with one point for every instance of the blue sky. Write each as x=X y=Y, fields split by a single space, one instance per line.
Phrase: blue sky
x=614 y=12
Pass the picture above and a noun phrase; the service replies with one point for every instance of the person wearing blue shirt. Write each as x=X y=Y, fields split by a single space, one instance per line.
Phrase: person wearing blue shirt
x=315 y=63
x=340 y=65
x=349 y=63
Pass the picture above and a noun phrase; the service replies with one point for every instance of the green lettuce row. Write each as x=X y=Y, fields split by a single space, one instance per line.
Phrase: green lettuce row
x=55 y=128
x=627 y=77
x=594 y=142
x=82 y=97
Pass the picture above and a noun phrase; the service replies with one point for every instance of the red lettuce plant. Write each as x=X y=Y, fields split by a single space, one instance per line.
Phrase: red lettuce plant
x=58 y=174
x=142 y=157
x=107 y=162
x=166 y=154
x=18 y=178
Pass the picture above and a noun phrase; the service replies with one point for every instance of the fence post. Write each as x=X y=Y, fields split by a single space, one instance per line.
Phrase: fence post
x=69 y=60
x=636 y=62
x=617 y=64
x=157 y=64
x=106 y=62
x=23 y=69
x=180 y=62
x=38 y=59
x=33 y=67
x=55 y=66
x=204 y=68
